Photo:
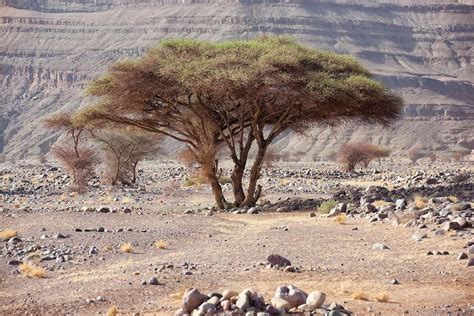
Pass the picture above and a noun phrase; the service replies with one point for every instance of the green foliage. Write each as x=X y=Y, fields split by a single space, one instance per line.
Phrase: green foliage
x=327 y=206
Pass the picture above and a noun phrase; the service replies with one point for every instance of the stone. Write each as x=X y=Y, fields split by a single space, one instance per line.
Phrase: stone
x=400 y=204
x=243 y=301
x=193 y=299
x=277 y=260
x=59 y=236
x=93 y=250
x=280 y=303
x=418 y=236
x=228 y=294
x=462 y=256
x=263 y=314
x=378 y=246
x=153 y=281
x=103 y=209
x=293 y=295
x=470 y=262
x=282 y=209
x=254 y=210
x=225 y=305
x=395 y=282
x=207 y=308
x=461 y=221
x=451 y=226
x=315 y=299
x=470 y=250
x=14 y=262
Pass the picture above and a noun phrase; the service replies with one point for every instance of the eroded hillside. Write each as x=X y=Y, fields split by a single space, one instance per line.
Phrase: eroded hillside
x=422 y=49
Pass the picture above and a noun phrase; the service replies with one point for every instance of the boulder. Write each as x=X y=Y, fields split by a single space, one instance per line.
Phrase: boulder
x=277 y=260
x=192 y=299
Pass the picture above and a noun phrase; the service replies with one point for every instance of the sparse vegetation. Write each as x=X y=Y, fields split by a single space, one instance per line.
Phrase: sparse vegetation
x=382 y=297
x=112 y=311
x=327 y=206
x=126 y=247
x=420 y=202
x=32 y=271
x=359 y=295
x=340 y=219
x=460 y=153
x=8 y=233
x=161 y=244
x=351 y=155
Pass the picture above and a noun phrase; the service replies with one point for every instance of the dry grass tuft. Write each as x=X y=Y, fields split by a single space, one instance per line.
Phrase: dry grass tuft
x=381 y=203
x=453 y=199
x=382 y=297
x=420 y=202
x=161 y=244
x=108 y=248
x=112 y=311
x=126 y=247
x=340 y=219
x=8 y=233
x=359 y=295
x=31 y=271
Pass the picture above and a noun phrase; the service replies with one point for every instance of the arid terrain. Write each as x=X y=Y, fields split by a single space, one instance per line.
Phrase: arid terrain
x=78 y=239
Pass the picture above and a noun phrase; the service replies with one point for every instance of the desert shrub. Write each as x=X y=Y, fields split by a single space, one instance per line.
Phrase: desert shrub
x=332 y=156
x=420 y=202
x=340 y=219
x=79 y=163
x=225 y=180
x=359 y=295
x=123 y=149
x=417 y=153
x=351 y=155
x=327 y=206
x=382 y=297
x=32 y=271
x=161 y=244
x=126 y=247
x=112 y=311
x=270 y=158
x=459 y=154
x=41 y=158
x=8 y=233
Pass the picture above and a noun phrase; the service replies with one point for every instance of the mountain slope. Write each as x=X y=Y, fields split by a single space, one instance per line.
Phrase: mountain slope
x=421 y=49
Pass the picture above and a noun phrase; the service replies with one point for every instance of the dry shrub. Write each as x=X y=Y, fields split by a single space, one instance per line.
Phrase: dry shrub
x=270 y=158
x=351 y=155
x=420 y=202
x=161 y=244
x=31 y=271
x=112 y=311
x=453 y=198
x=8 y=233
x=126 y=247
x=79 y=163
x=41 y=159
x=327 y=206
x=417 y=153
x=359 y=295
x=340 y=219
x=382 y=297
x=459 y=154
x=381 y=203
x=432 y=157
x=187 y=158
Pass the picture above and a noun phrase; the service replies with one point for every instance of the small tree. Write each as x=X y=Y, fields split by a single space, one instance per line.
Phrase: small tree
x=351 y=155
x=415 y=154
x=123 y=150
x=460 y=153
x=77 y=158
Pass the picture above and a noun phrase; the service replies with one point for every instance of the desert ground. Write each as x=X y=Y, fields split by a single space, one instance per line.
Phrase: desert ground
x=176 y=237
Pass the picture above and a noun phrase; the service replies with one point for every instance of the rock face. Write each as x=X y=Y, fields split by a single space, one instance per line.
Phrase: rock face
x=422 y=49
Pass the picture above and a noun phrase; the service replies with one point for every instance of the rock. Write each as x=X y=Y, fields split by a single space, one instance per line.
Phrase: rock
x=153 y=281
x=207 y=308
x=470 y=262
x=418 y=236
x=451 y=226
x=470 y=250
x=101 y=229
x=254 y=210
x=429 y=253
x=192 y=299
x=103 y=209
x=263 y=314
x=14 y=262
x=395 y=281
x=280 y=303
x=462 y=256
x=225 y=305
x=283 y=209
x=312 y=214
x=243 y=301
x=93 y=251
x=290 y=269
x=228 y=294
x=277 y=260
x=315 y=299
x=400 y=204
x=461 y=221
x=378 y=246
x=293 y=295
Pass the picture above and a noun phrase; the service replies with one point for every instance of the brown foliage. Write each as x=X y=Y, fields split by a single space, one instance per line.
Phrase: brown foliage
x=459 y=154
x=78 y=162
x=351 y=155
x=123 y=150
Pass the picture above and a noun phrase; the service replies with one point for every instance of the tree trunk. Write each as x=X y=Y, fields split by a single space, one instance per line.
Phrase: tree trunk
x=134 y=172
x=237 y=177
x=254 y=190
x=217 y=191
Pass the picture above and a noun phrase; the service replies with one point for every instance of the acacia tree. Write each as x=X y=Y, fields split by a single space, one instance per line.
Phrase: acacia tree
x=240 y=94
x=123 y=150
x=77 y=158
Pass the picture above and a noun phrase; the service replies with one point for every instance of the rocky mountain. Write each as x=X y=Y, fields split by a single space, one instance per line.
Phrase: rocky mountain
x=422 y=49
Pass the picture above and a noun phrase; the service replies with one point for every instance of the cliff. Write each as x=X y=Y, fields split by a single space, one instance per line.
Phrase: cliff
x=422 y=49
